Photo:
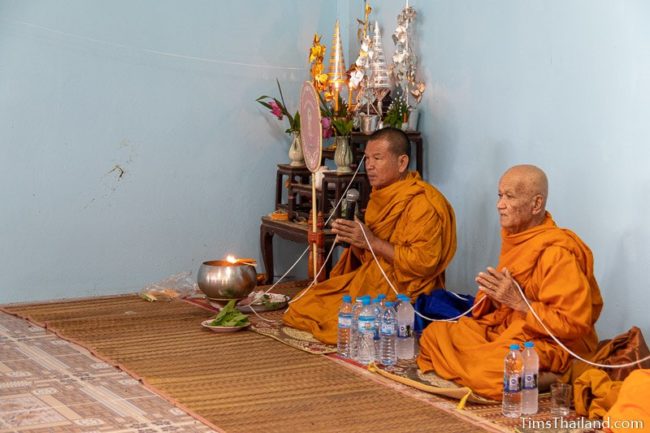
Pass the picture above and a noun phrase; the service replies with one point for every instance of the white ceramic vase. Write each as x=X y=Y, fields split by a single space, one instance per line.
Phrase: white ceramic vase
x=343 y=154
x=295 y=151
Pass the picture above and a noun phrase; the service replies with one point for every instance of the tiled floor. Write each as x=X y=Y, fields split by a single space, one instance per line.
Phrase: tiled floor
x=48 y=385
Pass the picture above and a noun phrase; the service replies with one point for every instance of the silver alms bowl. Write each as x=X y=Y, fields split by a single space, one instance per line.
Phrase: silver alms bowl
x=221 y=280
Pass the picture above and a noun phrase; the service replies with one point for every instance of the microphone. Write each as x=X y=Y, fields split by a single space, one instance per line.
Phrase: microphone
x=351 y=201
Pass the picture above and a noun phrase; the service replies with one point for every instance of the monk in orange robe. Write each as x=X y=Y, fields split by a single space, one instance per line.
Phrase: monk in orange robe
x=410 y=226
x=554 y=269
x=631 y=412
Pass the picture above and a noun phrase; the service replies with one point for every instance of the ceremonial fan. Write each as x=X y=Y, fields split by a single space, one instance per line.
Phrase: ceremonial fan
x=312 y=149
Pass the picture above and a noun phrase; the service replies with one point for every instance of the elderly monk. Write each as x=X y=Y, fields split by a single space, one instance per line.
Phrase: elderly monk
x=409 y=225
x=554 y=269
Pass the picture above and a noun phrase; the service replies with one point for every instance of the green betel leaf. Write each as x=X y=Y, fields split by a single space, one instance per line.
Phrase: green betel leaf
x=230 y=316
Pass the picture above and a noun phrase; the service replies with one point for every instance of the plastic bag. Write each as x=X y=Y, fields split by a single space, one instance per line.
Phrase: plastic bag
x=179 y=285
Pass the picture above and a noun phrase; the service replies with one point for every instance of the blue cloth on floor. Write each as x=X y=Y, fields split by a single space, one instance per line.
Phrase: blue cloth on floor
x=440 y=304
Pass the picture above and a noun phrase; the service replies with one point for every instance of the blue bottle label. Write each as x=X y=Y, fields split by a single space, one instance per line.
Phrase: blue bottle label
x=387 y=329
x=512 y=383
x=530 y=381
x=345 y=320
x=366 y=324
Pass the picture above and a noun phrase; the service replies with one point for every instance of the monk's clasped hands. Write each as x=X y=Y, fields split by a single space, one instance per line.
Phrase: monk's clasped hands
x=501 y=287
x=350 y=232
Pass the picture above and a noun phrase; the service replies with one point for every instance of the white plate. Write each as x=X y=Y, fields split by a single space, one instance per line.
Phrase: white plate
x=223 y=329
x=278 y=300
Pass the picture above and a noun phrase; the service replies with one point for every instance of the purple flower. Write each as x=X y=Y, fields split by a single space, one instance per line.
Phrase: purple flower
x=326 y=123
x=276 y=110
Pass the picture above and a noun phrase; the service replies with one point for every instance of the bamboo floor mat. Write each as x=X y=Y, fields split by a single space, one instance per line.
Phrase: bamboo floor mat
x=240 y=382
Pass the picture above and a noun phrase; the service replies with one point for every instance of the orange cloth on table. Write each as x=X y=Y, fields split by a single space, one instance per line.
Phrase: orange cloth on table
x=632 y=405
x=555 y=270
x=419 y=222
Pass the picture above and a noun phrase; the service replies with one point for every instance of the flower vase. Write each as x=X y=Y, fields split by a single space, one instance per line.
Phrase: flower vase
x=412 y=123
x=295 y=151
x=343 y=154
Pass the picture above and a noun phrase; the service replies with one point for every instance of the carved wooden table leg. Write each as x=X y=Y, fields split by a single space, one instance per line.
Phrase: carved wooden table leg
x=266 y=242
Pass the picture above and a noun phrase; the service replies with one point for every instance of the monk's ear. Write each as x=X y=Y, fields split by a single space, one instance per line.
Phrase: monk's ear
x=403 y=163
x=538 y=204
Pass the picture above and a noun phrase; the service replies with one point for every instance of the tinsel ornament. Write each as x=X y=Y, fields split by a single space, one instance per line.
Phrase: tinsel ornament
x=404 y=64
x=378 y=82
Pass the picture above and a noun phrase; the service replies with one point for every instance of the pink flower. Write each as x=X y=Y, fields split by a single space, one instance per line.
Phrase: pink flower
x=326 y=122
x=276 y=110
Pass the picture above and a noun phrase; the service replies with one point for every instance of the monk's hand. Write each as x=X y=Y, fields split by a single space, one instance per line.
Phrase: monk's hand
x=501 y=287
x=350 y=232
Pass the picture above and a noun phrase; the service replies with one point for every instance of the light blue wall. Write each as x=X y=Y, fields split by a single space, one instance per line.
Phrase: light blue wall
x=165 y=90
x=561 y=84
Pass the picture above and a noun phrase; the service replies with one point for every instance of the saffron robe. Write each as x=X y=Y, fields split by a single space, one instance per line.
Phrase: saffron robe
x=632 y=405
x=555 y=270
x=420 y=224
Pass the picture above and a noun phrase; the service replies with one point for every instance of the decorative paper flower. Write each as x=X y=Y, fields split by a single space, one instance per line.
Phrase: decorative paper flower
x=316 y=55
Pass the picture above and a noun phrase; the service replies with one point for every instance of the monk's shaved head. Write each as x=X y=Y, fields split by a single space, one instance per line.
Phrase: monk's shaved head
x=523 y=190
x=530 y=180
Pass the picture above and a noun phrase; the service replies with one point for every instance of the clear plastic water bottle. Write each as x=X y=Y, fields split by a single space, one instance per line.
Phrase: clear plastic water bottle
x=387 y=352
x=512 y=370
x=354 y=334
x=529 y=391
x=366 y=331
x=405 y=345
x=379 y=311
x=382 y=299
x=345 y=327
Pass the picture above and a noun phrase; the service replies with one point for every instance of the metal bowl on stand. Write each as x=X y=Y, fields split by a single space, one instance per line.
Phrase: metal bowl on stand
x=221 y=280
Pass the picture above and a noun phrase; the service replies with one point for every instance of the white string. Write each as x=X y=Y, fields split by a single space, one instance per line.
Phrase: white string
x=452 y=319
x=575 y=355
x=315 y=280
x=523 y=296
x=160 y=53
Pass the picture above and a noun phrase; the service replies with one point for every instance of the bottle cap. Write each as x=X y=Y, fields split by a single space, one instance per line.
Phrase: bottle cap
x=390 y=304
x=381 y=296
x=366 y=300
x=347 y=298
x=377 y=300
x=529 y=344
x=514 y=347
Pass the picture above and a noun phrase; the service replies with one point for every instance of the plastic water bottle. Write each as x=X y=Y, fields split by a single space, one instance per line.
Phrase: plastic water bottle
x=388 y=354
x=366 y=330
x=405 y=345
x=379 y=311
x=529 y=392
x=345 y=327
x=354 y=334
x=512 y=370
x=382 y=300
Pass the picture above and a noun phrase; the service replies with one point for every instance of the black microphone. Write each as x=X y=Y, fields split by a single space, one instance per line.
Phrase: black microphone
x=351 y=201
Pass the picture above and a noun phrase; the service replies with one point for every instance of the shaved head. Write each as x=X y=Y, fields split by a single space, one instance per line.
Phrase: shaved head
x=523 y=190
x=530 y=179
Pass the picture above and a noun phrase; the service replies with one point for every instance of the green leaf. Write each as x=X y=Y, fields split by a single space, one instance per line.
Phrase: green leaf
x=230 y=316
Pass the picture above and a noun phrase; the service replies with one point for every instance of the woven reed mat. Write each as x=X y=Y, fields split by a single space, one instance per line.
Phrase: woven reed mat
x=240 y=382
x=441 y=393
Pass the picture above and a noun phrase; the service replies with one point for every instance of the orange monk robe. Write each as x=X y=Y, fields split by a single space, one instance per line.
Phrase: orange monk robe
x=632 y=405
x=419 y=222
x=555 y=270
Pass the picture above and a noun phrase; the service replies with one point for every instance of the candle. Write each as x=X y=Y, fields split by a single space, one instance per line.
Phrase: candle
x=243 y=261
